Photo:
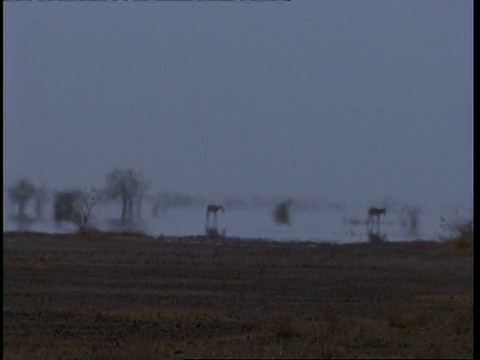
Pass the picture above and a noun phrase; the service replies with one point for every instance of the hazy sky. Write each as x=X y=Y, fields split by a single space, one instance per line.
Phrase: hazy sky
x=345 y=100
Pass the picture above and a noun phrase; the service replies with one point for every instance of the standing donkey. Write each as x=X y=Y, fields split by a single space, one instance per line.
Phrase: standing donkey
x=372 y=212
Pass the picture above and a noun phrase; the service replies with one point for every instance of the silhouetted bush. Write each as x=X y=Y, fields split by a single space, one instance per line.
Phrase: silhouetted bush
x=458 y=231
x=76 y=206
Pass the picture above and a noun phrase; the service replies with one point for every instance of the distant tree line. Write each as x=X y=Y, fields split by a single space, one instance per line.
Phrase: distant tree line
x=77 y=205
x=127 y=188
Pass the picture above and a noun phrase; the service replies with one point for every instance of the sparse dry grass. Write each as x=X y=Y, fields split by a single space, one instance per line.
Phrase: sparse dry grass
x=464 y=243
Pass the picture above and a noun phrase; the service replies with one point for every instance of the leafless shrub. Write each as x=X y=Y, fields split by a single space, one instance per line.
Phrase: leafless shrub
x=76 y=206
x=83 y=209
x=457 y=231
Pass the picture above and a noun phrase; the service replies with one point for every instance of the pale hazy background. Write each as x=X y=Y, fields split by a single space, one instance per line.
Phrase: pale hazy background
x=353 y=102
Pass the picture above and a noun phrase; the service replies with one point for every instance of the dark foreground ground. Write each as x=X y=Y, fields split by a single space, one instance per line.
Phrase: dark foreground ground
x=114 y=296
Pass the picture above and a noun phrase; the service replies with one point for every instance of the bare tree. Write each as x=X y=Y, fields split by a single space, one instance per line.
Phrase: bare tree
x=126 y=185
x=76 y=206
x=20 y=194
x=83 y=205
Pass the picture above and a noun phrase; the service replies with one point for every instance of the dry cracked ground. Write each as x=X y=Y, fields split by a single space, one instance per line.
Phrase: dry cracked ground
x=128 y=296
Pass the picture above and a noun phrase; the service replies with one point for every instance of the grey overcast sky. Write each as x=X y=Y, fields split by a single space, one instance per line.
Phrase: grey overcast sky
x=346 y=100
